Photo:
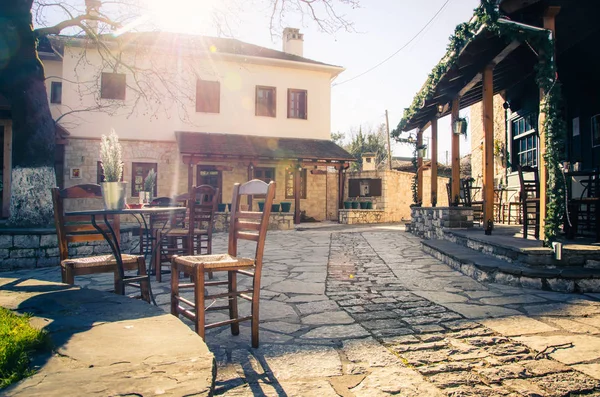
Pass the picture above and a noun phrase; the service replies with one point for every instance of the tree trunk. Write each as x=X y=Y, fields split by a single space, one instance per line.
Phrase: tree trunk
x=22 y=83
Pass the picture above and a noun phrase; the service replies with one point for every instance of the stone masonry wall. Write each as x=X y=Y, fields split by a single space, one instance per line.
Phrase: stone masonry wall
x=429 y=223
x=21 y=249
x=277 y=221
x=354 y=217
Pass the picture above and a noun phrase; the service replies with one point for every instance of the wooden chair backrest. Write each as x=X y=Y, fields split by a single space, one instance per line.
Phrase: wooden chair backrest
x=160 y=221
x=465 y=186
x=78 y=229
x=530 y=184
x=250 y=225
x=161 y=202
x=202 y=208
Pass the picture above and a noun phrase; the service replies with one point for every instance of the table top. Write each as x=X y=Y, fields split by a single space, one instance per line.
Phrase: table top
x=125 y=211
x=582 y=173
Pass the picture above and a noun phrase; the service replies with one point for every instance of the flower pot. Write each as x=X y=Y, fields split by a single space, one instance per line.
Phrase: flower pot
x=347 y=205
x=274 y=207
x=221 y=207
x=363 y=205
x=261 y=206
x=114 y=194
x=229 y=207
x=369 y=205
x=285 y=206
x=355 y=205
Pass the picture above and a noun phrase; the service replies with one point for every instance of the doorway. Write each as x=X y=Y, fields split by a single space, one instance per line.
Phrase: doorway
x=209 y=175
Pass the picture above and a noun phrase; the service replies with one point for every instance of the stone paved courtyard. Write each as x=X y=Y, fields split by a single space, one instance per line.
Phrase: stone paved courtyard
x=363 y=311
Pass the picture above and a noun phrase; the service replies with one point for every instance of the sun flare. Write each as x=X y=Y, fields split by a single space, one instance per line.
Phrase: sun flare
x=183 y=16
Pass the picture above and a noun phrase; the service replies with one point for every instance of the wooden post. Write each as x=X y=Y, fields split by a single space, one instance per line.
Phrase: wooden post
x=190 y=174
x=434 y=162
x=296 y=195
x=419 y=167
x=455 y=190
x=7 y=168
x=550 y=24
x=341 y=187
x=250 y=177
x=488 y=148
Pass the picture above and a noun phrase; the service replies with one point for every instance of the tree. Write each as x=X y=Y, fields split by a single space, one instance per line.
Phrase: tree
x=373 y=141
x=22 y=80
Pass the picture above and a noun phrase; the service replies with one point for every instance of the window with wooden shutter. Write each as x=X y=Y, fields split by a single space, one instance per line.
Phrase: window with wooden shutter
x=112 y=86
x=140 y=172
x=375 y=187
x=56 y=92
x=354 y=188
x=297 y=104
x=208 y=96
x=266 y=101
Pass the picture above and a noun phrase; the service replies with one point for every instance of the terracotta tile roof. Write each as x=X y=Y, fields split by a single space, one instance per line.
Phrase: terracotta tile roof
x=210 y=144
x=216 y=45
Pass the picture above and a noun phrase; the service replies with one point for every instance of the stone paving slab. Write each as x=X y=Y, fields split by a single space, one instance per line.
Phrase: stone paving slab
x=362 y=311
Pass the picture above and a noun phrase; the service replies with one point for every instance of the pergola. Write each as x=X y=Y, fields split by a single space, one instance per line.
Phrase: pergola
x=487 y=64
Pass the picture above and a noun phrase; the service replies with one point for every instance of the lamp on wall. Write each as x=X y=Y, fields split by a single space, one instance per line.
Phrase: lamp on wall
x=440 y=109
x=422 y=151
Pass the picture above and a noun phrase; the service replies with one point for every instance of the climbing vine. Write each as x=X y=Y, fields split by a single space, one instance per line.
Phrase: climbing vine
x=553 y=126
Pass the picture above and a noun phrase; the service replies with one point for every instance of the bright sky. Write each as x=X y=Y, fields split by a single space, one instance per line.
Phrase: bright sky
x=383 y=26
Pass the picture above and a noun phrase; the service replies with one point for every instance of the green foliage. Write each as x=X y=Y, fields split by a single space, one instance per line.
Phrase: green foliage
x=553 y=129
x=150 y=181
x=18 y=340
x=111 y=157
x=370 y=142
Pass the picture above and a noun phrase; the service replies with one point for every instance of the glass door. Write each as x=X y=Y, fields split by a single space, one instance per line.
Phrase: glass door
x=208 y=175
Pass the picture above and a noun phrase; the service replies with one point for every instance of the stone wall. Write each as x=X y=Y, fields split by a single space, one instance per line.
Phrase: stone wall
x=429 y=223
x=33 y=248
x=354 y=217
x=277 y=221
x=396 y=187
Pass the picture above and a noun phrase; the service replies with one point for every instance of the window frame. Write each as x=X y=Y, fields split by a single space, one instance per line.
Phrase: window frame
x=107 y=84
x=210 y=93
x=259 y=108
x=146 y=168
x=289 y=178
x=291 y=113
x=516 y=152
x=56 y=92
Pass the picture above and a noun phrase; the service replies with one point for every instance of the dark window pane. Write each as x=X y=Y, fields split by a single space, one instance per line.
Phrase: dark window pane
x=56 y=92
x=112 y=86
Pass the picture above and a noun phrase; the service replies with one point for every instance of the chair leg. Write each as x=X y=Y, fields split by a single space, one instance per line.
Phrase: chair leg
x=68 y=277
x=199 y=301
x=174 y=288
x=157 y=257
x=525 y=220
x=255 y=316
x=145 y=284
x=233 y=303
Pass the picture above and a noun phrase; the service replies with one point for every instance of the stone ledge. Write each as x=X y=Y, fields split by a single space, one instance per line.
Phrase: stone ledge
x=108 y=344
x=486 y=268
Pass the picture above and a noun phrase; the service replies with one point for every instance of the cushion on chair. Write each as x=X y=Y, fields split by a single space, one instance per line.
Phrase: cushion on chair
x=215 y=261
x=100 y=260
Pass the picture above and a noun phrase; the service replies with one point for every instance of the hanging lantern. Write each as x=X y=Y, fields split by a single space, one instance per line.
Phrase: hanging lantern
x=460 y=126
x=422 y=151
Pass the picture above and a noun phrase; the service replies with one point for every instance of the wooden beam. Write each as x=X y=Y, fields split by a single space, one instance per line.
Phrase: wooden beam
x=550 y=24
x=250 y=177
x=191 y=168
x=505 y=52
x=476 y=79
x=434 y=161
x=488 y=148
x=296 y=195
x=7 y=175
x=341 y=184
x=419 y=168
x=455 y=188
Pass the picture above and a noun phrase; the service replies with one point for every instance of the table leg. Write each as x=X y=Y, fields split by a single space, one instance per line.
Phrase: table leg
x=115 y=248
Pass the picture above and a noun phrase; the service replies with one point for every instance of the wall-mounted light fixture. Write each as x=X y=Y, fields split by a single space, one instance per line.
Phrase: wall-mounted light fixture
x=440 y=109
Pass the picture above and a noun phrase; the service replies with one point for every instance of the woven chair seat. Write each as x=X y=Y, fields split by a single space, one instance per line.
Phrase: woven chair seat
x=215 y=261
x=100 y=260
x=184 y=232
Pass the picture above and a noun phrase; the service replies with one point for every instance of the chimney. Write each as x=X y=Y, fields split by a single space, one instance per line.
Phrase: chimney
x=293 y=41
x=92 y=8
x=368 y=162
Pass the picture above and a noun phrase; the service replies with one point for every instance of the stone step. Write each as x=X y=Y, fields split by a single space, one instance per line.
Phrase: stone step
x=487 y=268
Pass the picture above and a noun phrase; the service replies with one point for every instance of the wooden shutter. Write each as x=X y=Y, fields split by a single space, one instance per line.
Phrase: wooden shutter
x=353 y=187
x=208 y=96
x=375 y=187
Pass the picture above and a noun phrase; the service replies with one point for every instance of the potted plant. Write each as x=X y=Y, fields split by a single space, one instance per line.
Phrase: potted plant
x=286 y=206
x=229 y=207
x=261 y=206
x=221 y=207
x=355 y=204
x=363 y=205
x=347 y=205
x=113 y=189
x=274 y=207
x=149 y=184
x=369 y=205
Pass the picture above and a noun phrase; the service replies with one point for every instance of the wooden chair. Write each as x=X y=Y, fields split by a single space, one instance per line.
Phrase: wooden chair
x=466 y=186
x=530 y=199
x=155 y=221
x=79 y=230
x=196 y=236
x=585 y=211
x=245 y=225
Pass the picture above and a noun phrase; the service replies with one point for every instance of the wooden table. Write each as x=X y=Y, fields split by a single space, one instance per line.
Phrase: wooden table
x=113 y=242
x=499 y=193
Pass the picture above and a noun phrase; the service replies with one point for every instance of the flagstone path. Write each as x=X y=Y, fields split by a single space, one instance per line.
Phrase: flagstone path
x=364 y=312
